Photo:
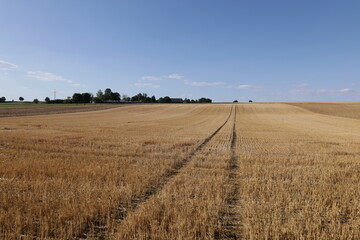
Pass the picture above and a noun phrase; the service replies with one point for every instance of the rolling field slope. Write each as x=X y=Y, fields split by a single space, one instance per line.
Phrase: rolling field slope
x=349 y=110
x=69 y=175
x=299 y=173
x=224 y=171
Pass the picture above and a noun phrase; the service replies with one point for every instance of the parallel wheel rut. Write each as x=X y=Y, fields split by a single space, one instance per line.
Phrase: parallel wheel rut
x=231 y=217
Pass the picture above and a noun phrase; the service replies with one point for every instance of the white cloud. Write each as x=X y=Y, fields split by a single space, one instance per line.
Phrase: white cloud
x=343 y=91
x=247 y=86
x=174 y=76
x=150 y=78
x=5 y=66
x=203 y=84
x=150 y=85
x=155 y=78
x=44 y=76
x=244 y=86
x=50 y=77
x=303 y=89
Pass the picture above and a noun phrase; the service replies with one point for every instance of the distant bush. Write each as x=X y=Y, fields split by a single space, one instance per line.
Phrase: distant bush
x=77 y=98
x=68 y=100
x=165 y=99
x=205 y=100
x=143 y=97
x=97 y=100
x=107 y=95
x=87 y=97
x=57 y=101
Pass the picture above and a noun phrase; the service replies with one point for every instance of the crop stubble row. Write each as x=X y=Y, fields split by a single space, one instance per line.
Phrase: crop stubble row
x=299 y=175
x=154 y=189
x=189 y=206
x=62 y=175
x=272 y=171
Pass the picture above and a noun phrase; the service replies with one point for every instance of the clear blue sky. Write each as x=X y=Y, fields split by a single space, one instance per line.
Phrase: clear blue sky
x=261 y=50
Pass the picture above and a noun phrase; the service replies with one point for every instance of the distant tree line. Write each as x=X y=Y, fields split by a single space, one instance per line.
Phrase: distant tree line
x=200 y=100
x=76 y=98
x=108 y=96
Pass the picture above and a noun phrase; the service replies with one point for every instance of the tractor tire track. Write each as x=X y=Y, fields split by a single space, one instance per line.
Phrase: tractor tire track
x=231 y=217
x=100 y=231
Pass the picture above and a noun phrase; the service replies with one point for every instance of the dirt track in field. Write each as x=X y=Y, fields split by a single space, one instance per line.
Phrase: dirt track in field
x=231 y=217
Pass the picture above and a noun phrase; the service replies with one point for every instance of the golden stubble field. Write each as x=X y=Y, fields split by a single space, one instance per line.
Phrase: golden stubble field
x=203 y=171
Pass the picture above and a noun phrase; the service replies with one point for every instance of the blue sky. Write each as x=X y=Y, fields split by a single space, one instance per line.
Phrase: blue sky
x=225 y=50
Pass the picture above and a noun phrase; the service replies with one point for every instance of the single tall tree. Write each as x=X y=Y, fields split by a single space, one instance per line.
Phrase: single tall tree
x=86 y=97
x=77 y=98
x=99 y=94
x=115 y=96
x=107 y=94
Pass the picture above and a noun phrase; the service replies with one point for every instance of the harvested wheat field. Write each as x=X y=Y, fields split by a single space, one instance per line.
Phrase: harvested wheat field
x=187 y=171
x=350 y=110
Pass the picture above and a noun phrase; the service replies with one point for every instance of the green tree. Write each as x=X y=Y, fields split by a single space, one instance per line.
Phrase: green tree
x=140 y=97
x=115 y=96
x=107 y=94
x=100 y=95
x=86 y=97
x=68 y=100
x=47 y=100
x=36 y=100
x=2 y=99
x=21 y=98
x=165 y=99
x=97 y=100
x=77 y=98
x=153 y=99
x=137 y=98
x=204 y=100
